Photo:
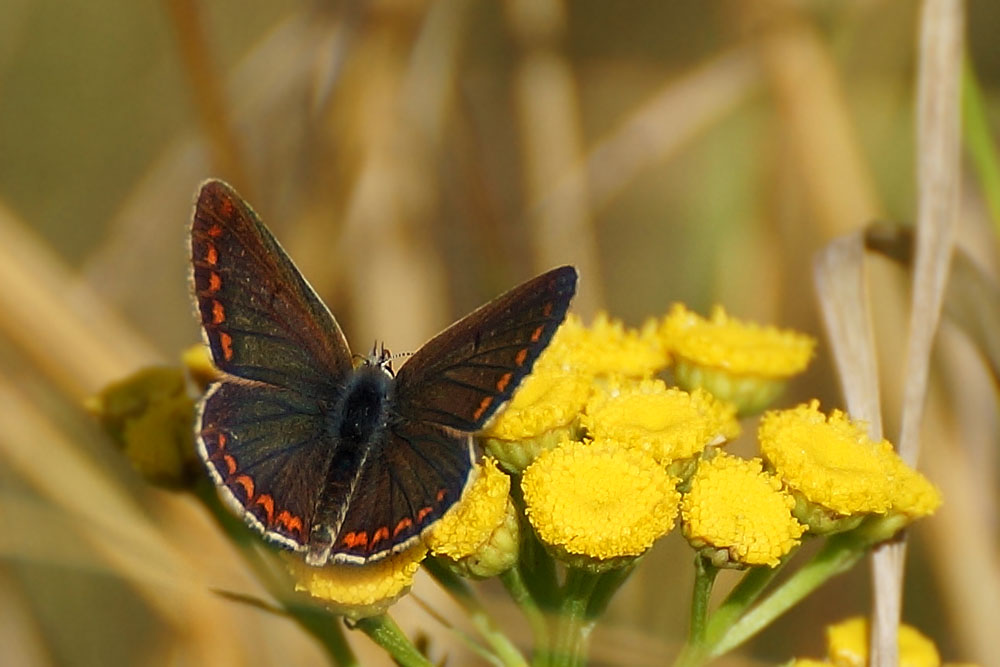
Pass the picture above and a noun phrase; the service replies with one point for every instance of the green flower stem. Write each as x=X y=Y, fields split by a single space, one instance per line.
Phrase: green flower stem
x=573 y=630
x=704 y=579
x=538 y=569
x=322 y=625
x=980 y=142
x=383 y=631
x=744 y=594
x=513 y=581
x=607 y=585
x=462 y=593
x=838 y=555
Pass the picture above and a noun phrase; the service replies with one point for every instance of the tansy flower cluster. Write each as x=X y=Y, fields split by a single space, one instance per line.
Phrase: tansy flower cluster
x=616 y=437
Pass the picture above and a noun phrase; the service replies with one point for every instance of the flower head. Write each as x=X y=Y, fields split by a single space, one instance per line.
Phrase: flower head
x=847 y=644
x=358 y=591
x=599 y=504
x=739 y=512
x=668 y=423
x=477 y=533
x=831 y=462
x=150 y=416
x=740 y=362
x=606 y=347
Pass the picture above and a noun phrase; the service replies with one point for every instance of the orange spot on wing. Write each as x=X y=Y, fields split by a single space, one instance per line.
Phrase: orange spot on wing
x=352 y=540
x=483 y=404
x=226 y=207
x=547 y=309
x=230 y=463
x=220 y=446
x=504 y=381
x=211 y=255
x=218 y=313
x=226 y=341
x=247 y=484
x=441 y=494
x=267 y=502
x=401 y=526
x=537 y=333
x=214 y=282
x=521 y=356
x=422 y=514
x=380 y=534
x=215 y=231
x=291 y=523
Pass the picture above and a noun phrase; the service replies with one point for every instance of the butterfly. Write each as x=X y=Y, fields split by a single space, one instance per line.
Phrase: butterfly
x=345 y=463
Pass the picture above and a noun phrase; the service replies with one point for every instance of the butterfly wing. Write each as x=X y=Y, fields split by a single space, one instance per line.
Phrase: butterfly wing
x=267 y=449
x=462 y=376
x=261 y=318
x=413 y=477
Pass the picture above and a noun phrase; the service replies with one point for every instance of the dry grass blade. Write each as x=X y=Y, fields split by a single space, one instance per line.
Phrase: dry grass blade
x=938 y=141
x=842 y=291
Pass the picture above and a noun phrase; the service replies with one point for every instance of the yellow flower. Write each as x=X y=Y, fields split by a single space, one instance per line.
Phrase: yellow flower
x=358 y=591
x=150 y=416
x=607 y=347
x=831 y=462
x=739 y=512
x=669 y=424
x=477 y=534
x=598 y=505
x=847 y=645
x=737 y=361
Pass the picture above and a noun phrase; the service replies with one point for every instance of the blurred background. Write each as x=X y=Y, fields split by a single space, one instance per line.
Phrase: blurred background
x=416 y=159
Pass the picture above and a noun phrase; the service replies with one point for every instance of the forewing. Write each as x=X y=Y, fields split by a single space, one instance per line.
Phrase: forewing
x=464 y=374
x=266 y=449
x=410 y=480
x=261 y=318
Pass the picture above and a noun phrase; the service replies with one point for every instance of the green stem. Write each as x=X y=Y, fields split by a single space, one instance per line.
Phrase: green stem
x=572 y=631
x=504 y=649
x=838 y=555
x=704 y=578
x=979 y=141
x=607 y=585
x=513 y=581
x=744 y=594
x=383 y=631
x=537 y=568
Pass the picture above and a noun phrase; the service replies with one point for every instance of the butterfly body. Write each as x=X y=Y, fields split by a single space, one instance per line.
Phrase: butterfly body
x=343 y=463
